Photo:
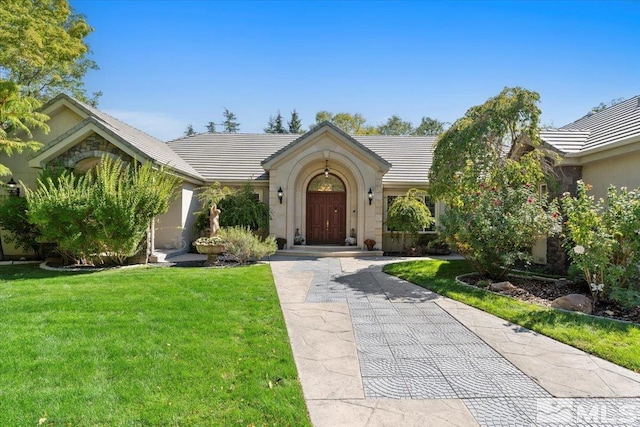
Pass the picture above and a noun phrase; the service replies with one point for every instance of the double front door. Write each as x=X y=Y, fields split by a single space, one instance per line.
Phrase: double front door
x=326 y=218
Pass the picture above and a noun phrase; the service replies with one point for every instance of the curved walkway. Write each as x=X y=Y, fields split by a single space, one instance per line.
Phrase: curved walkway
x=374 y=350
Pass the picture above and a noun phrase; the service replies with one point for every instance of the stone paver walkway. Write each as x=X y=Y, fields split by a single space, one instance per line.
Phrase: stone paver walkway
x=373 y=350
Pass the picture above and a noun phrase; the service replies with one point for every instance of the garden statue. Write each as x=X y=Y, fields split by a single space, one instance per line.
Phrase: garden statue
x=214 y=220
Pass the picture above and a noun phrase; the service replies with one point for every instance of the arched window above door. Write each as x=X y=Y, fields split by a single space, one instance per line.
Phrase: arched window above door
x=330 y=183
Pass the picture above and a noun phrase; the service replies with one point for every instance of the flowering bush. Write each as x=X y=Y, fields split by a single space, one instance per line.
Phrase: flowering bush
x=603 y=239
x=495 y=226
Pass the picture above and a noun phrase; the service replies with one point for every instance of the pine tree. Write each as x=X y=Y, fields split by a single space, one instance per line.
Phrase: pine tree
x=271 y=126
x=295 y=126
x=278 y=126
x=211 y=127
x=190 y=131
x=230 y=122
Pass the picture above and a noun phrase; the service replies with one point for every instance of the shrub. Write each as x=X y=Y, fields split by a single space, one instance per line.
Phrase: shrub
x=496 y=226
x=104 y=212
x=239 y=208
x=14 y=219
x=242 y=244
x=243 y=209
x=603 y=240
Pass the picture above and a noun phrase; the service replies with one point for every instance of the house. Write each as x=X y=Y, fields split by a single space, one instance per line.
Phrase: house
x=325 y=184
x=602 y=149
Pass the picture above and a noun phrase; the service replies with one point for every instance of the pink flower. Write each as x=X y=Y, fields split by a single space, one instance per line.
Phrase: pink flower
x=527 y=185
x=529 y=200
x=555 y=214
x=496 y=202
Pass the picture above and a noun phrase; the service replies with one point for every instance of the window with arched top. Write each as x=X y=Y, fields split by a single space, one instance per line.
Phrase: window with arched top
x=85 y=165
x=324 y=183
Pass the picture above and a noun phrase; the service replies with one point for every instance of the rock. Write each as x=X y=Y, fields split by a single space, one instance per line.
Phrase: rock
x=573 y=302
x=501 y=286
x=561 y=282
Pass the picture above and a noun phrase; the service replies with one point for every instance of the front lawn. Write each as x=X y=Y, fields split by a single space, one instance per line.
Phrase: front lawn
x=614 y=341
x=145 y=347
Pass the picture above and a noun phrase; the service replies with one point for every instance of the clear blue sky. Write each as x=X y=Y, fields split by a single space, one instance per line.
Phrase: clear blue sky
x=164 y=64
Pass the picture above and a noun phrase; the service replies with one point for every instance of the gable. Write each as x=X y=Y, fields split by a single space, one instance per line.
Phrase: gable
x=128 y=139
x=329 y=137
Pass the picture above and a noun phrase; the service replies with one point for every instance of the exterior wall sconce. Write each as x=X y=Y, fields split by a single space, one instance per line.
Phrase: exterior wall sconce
x=326 y=168
x=280 y=194
x=14 y=189
x=370 y=195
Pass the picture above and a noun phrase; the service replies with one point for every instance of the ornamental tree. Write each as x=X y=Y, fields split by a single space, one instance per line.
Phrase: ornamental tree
x=409 y=214
x=482 y=140
x=495 y=214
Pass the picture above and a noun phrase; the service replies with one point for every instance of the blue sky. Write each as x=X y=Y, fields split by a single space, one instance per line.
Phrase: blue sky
x=164 y=64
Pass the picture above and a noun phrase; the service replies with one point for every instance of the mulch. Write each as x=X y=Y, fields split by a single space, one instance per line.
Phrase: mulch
x=543 y=292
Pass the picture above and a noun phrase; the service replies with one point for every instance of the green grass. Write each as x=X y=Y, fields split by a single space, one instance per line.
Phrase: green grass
x=614 y=341
x=145 y=347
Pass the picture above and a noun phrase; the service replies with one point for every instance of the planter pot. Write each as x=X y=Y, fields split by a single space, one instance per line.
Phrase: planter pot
x=210 y=249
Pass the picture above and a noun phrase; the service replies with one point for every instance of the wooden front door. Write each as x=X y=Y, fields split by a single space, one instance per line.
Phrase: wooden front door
x=326 y=218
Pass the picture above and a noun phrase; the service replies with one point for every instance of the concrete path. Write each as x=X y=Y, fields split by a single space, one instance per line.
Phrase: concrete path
x=374 y=350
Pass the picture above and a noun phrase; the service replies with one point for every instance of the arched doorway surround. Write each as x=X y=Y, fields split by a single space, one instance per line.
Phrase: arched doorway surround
x=326 y=210
x=308 y=168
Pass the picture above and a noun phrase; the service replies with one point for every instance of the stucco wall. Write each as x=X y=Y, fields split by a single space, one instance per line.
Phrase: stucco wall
x=621 y=171
x=178 y=221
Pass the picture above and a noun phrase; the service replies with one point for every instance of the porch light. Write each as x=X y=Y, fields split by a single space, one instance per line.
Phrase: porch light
x=280 y=194
x=326 y=168
x=370 y=194
x=14 y=189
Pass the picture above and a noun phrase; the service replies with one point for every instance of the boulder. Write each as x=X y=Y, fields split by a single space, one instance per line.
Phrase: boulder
x=501 y=286
x=573 y=302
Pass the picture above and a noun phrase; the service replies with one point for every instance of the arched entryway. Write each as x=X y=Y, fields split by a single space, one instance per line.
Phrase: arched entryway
x=326 y=211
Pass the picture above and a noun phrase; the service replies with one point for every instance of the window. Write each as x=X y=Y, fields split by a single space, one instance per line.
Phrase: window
x=427 y=201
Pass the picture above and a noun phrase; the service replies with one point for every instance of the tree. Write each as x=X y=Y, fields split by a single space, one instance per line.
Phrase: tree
x=211 y=127
x=295 y=125
x=604 y=106
x=275 y=125
x=43 y=48
x=429 y=127
x=480 y=141
x=189 y=131
x=42 y=53
x=353 y=124
x=409 y=214
x=230 y=123
x=495 y=212
x=18 y=114
x=396 y=126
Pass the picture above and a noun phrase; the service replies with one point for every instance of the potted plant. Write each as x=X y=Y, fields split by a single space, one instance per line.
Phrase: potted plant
x=281 y=242
x=370 y=244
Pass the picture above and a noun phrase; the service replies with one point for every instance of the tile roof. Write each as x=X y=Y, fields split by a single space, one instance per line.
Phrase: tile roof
x=617 y=123
x=221 y=157
x=148 y=145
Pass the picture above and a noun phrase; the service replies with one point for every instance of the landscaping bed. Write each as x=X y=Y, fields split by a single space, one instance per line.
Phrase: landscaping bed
x=544 y=291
